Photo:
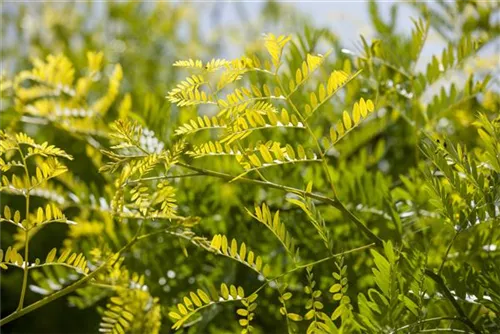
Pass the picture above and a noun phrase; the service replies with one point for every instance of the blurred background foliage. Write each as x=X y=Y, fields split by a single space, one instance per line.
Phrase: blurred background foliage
x=147 y=38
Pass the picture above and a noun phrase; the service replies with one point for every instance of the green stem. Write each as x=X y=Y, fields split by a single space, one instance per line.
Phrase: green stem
x=26 y=235
x=447 y=252
x=424 y=321
x=326 y=171
x=332 y=202
x=61 y=293
x=283 y=302
x=308 y=128
x=313 y=264
x=163 y=177
x=446 y=292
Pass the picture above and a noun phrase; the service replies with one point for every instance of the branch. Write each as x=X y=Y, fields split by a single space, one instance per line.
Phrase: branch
x=61 y=293
x=444 y=289
x=332 y=202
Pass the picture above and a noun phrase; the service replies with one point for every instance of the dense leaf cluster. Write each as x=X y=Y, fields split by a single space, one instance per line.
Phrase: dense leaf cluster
x=300 y=188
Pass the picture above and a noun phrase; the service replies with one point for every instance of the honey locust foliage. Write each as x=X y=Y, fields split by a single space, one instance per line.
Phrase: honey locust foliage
x=291 y=190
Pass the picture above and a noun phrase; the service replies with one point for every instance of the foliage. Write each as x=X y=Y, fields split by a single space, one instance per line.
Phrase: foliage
x=293 y=189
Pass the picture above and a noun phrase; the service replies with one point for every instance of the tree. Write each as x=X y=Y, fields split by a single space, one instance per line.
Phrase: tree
x=293 y=189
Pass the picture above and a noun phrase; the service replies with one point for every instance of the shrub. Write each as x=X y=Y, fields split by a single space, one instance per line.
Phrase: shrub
x=283 y=191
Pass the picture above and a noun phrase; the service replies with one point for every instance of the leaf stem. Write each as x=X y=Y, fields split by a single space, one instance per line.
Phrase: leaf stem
x=61 y=293
x=26 y=233
x=445 y=256
x=424 y=321
x=313 y=264
x=332 y=202
x=446 y=292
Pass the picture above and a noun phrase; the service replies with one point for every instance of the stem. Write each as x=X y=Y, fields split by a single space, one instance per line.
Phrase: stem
x=313 y=264
x=424 y=321
x=433 y=330
x=446 y=292
x=447 y=252
x=163 y=177
x=337 y=202
x=61 y=293
x=304 y=120
x=332 y=202
x=286 y=311
x=26 y=235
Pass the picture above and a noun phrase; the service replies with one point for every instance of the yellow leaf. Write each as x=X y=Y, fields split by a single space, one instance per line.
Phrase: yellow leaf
x=17 y=217
x=298 y=76
x=356 y=116
x=233 y=291
x=6 y=213
x=224 y=291
x=335 y=288
x=51 y=256
x=314 y=100
x=243 y=251
x=290 y=152
x=203 y=296
x=322 y=92
x=301 y=152
x=347 y=120
x=224 y=244
x=340 y=128
x=294 y=317
x=258 y=263
x=250 y=258
x=362 y=107
x=333 y=135
x=216 y=242
x=309 y=187
x=234 y=248
x=182 y=309
x=370 y=106
x=48 y=212
x=265 y=154
x=174 y=315
x=64 y=256
x=255 y=160
x=285 y=119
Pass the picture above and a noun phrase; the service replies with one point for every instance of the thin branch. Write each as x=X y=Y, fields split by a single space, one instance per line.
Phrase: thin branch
x=163 y=177
x=424 y=321
x=26 y=233
x=332 y=202
x=446 y=292
x=313 y=264
x=447 y=252
x=61 y=293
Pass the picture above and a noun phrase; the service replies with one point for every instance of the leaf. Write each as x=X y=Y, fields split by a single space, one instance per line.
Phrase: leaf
x=224 y=291
x=335 y=288
x=203 y=296
x=174 y=315
x=17 y=217
x=338 y=312
x=6 y=212
x=265 y=154
x=347 y=120
x=410 y=304
x=51 y=256
x=294 y=317
x=243 y=251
